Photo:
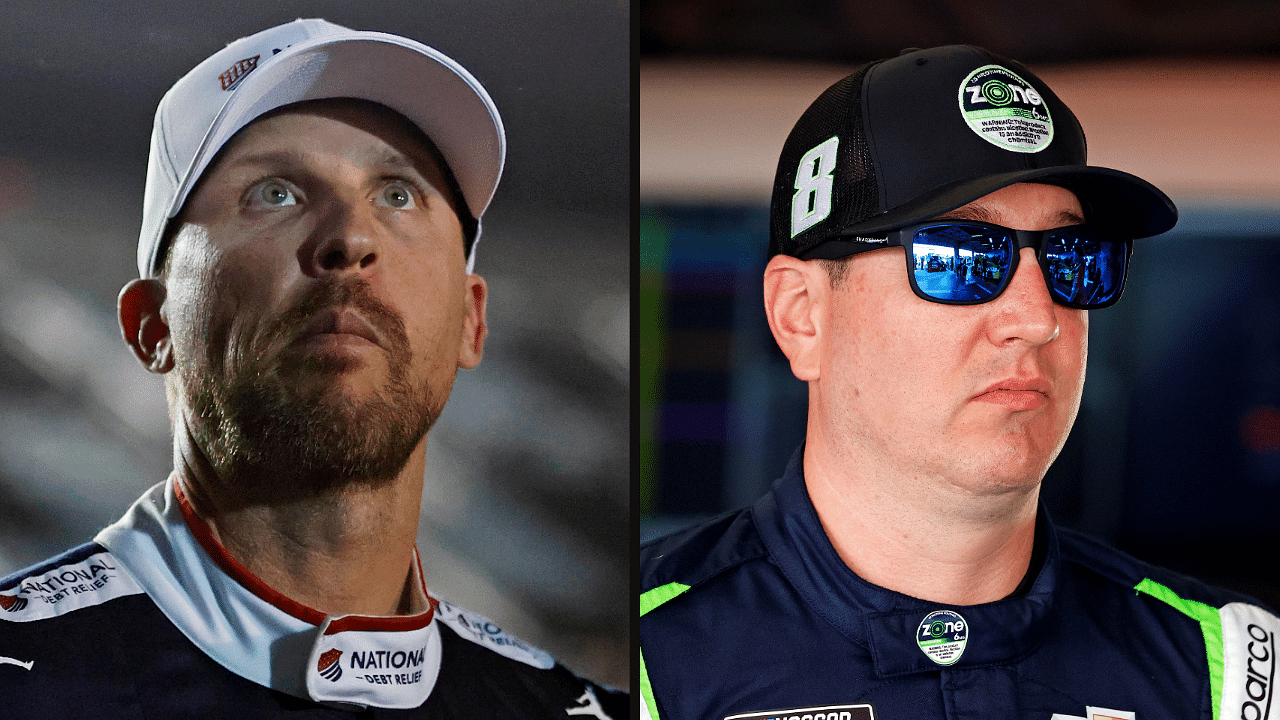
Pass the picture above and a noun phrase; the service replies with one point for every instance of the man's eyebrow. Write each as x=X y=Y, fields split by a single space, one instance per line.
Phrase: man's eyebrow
x=387 y=159
x=979 y=213
x=1066 y=217
x=270 y=157
x=394 y=160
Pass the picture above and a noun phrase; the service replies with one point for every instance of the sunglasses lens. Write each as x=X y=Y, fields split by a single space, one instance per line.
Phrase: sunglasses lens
x=1085 y=269
x=960 y=263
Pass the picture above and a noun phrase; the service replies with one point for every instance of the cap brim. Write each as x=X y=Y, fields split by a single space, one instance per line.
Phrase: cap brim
x=1111 y=198
x=425 y=86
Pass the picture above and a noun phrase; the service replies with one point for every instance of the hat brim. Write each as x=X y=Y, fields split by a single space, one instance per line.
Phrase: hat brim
x=425 y=86
x=1111 y=198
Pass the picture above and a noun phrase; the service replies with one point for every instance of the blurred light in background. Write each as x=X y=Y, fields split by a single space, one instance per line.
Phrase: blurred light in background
x=17 y=186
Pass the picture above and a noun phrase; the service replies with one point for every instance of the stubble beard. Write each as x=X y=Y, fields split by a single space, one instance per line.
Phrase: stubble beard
x=283 y=418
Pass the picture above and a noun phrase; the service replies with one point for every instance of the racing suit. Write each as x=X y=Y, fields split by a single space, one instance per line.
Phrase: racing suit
x=754 y=615
x=155 y=619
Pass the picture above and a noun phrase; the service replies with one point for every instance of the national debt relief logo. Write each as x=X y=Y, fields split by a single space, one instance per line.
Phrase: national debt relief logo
x=1005 y=110
x=942 y=636
x=12 y=603
x=328 y=666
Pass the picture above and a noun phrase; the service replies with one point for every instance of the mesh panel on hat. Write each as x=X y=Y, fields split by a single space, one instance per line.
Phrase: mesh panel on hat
x=855 y=195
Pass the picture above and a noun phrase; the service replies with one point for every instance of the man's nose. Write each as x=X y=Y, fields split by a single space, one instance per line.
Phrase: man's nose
x=345 y=238
x=1024 y=311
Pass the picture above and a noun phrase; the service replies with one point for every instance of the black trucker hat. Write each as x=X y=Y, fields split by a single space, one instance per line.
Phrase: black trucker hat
x=909 y=138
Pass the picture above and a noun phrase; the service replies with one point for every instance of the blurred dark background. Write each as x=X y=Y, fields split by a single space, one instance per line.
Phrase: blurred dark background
x=1036 y=31
x=527 y=505
x=1175 y=456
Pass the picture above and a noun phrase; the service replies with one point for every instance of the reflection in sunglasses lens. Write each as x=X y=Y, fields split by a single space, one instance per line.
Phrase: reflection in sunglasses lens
x=1084 y=268
x=960 y=262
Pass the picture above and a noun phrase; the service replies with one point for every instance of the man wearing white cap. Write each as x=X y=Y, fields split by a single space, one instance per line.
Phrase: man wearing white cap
x=312 y=208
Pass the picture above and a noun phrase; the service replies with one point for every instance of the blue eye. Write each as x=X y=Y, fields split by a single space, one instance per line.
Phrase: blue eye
x=396 y=195
x=274 y=193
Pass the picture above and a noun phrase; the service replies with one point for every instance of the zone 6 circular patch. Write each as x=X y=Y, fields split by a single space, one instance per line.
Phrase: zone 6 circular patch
x=1005 y=110
x=942 y=636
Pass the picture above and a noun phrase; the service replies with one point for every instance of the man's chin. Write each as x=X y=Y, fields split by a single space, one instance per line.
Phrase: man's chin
x=1010 y=466
x=338 y=440
x=348 y=392
x=339 y=382
x=327 y=427
x=327 y=364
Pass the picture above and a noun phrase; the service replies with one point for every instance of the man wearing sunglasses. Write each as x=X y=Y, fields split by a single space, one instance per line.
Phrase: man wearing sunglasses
x=937 y=240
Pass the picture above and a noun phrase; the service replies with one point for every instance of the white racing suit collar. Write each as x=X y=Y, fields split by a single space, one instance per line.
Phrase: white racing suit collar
x=262 y=636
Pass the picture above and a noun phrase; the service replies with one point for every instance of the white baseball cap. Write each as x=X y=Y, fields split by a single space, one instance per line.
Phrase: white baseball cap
x=314 y=60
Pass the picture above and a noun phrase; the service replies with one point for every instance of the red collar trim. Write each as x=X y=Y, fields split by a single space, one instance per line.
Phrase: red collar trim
x=238 y=572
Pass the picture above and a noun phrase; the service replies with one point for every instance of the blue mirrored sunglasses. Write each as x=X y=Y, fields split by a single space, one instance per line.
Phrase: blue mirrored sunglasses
x=962 y=262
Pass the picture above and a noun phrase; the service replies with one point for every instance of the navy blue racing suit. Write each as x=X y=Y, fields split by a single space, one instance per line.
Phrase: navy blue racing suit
x=754 y=615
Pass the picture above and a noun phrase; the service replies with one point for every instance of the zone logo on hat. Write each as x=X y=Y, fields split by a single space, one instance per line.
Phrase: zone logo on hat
x=1005 y=110
x=896 y=142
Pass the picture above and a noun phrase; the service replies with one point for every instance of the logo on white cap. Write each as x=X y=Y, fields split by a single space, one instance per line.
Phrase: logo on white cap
x=232 y=75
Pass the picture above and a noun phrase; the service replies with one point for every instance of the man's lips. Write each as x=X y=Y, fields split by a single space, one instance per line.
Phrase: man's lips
x=1016 y=393
x=340 y=325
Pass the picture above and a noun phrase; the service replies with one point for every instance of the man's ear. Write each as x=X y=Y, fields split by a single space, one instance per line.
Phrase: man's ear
x=795 y=298
x=474 y=327
x=145 y=332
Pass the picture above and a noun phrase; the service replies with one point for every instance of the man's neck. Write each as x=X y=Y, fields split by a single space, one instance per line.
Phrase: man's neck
x=927 y=539
x=346 y=550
